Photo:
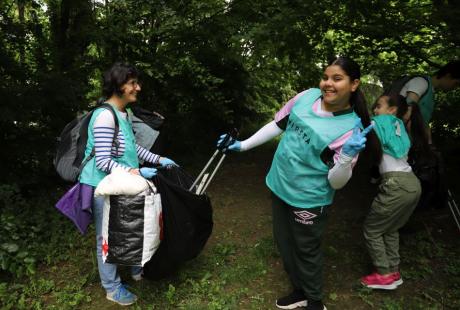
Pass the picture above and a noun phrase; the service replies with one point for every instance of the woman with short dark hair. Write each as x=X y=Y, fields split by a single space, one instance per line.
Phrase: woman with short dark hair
x=120 y=86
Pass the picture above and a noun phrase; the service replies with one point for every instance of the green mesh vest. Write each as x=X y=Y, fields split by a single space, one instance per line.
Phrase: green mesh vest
x=298 y=175
x=392 y=135
x=426 y=103
x=91 y=175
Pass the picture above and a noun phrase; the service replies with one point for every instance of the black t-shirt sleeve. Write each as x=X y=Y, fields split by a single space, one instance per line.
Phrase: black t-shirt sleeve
x=327 y=156
x=282 y=123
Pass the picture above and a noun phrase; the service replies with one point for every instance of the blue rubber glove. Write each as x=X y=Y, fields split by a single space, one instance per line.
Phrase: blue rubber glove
x=164 y=162
x=357 y=142
x=232 y=144
x=147 y=172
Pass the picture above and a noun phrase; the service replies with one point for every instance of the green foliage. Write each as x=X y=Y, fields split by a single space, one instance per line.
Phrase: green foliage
x=208 y=65
x=16 y=250
x=30 y=232
x=445 y=122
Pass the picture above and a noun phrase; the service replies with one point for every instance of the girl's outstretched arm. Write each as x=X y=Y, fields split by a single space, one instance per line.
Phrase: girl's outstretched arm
x=264 y=134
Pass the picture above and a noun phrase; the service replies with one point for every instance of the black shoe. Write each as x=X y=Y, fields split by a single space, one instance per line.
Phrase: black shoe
x=294 y=300
x=315 y=305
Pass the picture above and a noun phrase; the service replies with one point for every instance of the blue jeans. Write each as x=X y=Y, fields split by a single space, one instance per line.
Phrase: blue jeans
x=108 y=272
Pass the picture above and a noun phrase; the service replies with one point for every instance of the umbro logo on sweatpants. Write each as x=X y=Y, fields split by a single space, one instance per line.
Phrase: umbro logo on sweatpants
x=304 y=217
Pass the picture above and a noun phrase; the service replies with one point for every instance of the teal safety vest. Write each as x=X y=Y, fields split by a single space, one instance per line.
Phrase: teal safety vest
x=392 y=135
x=426 y=103
x=298 y=175
x=90 y=174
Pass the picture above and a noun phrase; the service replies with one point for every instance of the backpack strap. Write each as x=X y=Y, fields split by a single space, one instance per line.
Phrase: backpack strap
x=115 y=142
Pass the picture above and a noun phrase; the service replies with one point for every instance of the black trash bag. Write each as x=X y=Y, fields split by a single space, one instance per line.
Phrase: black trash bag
x=187 y=223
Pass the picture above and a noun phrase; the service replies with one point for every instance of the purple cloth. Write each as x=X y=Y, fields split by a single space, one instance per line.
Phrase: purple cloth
x=76 y=205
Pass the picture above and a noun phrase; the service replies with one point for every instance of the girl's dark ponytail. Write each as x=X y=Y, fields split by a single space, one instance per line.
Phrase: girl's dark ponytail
x=358 y=102
x=373 y=146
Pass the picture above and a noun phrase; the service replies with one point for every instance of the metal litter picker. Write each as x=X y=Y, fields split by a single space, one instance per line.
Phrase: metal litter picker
x=453 y=208
x=204 y=178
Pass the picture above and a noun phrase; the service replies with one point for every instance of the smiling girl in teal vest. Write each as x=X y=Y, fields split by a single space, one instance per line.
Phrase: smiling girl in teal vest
x=321 y=141
x=299 y=154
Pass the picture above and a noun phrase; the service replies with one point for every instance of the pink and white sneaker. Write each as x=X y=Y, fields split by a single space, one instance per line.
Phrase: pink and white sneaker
x=378 y=281
x=397 y=278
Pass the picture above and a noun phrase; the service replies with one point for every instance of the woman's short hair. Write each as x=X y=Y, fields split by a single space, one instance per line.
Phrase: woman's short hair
x=115 y=77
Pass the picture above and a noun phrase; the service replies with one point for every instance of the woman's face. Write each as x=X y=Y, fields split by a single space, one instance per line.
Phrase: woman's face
x=336 y=88
x=130 y=90
x=382 y=107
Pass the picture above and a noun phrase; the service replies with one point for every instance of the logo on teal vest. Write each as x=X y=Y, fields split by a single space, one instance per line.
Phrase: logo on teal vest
x=299 y=131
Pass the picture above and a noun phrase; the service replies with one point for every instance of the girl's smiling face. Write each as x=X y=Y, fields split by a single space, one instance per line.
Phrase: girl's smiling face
x=336 y=88
x=382 y=107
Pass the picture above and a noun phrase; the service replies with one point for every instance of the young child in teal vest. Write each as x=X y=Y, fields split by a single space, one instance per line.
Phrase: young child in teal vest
x=399 y=190
x=321 y=141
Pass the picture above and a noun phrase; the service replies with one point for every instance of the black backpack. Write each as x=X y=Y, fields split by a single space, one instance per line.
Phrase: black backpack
x=396 y=86
x=69 y=159
x=153 y=119
x=146 y=127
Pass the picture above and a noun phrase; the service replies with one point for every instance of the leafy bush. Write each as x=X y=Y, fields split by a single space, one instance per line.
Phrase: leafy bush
x=31 y=231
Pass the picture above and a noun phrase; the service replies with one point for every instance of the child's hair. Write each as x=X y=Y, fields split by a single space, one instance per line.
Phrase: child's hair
x=417 y=129
x=398 y=101
x=358 y=101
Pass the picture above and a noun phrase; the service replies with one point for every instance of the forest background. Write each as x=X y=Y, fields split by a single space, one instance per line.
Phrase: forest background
x=207 y=66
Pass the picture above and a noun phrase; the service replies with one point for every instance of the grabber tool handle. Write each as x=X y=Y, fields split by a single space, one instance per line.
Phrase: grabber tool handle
x=228 y=140
x=204 y=169
x=221 y=147
x=453 y=208
x=202 y=190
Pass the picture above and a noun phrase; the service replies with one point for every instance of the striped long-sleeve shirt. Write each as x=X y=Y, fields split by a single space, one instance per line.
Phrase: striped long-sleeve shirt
x=104 y=128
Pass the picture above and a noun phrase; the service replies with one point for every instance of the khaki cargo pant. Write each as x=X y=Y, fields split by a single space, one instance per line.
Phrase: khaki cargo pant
x=398 y=196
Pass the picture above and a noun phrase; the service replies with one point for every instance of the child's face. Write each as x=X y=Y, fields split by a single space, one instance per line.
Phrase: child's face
x=337 y=87
x=381 y=107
